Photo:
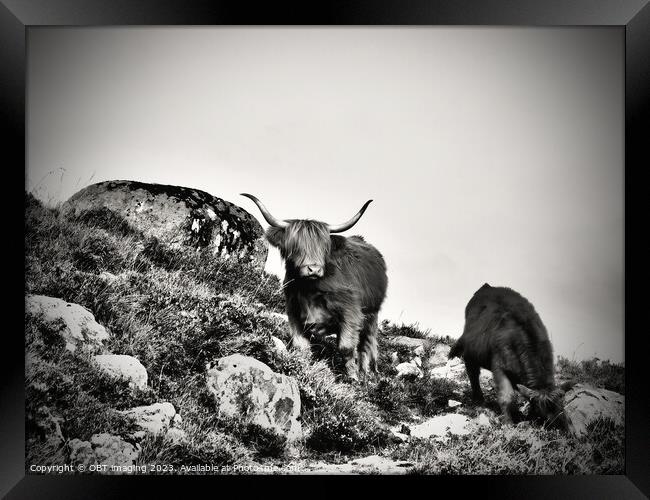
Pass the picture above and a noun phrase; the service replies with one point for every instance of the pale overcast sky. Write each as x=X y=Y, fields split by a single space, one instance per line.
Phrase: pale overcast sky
x=492 y=154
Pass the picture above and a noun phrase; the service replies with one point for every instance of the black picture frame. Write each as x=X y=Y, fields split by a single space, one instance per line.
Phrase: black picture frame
x=17 y=16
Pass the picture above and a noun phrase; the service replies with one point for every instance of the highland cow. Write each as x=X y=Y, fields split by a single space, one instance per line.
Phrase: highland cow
x=503 y=333
x=332 y=284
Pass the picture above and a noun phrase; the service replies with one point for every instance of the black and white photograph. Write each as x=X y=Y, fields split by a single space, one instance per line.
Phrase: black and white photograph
x=325 y=250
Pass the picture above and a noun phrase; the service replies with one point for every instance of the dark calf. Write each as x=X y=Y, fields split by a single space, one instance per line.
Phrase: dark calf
x=503 y=333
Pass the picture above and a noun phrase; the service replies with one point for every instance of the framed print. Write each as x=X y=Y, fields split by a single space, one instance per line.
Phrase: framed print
x=377 y=240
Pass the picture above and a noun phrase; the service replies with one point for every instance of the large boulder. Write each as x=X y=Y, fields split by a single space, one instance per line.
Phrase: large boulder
x=584 y=404
x=124 y=367
x=178 y=216
x=245 y=387
x=76 y=324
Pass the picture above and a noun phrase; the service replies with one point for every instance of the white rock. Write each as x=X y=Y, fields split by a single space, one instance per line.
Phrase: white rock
x=448 y=370
x=408 y=370
x=483 y=420
x=455 y=370
x=453 y=403
x=455 y=362
x=80 y=327
x=584 y=404
x=373 y=464
x=152 y=419
x=419 y=351
x=125 y=367
x=439 y=356
x=417 y=361
x=243 y=386
x=405 y=342
x=176 y=435
x=439 y=426
x=278 y=345
x=380 y=464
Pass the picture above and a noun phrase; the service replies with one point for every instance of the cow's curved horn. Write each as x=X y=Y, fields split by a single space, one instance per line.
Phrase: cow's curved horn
x=347 y=225
x=267 y=215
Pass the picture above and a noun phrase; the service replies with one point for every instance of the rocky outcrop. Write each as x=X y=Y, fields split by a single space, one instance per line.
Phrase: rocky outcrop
x=103 y=449
x=121 y=366
x=75 y=323
x=584 y=404
x=178 y=216
x=454 y=370
x=415 y=357
x=245 y=387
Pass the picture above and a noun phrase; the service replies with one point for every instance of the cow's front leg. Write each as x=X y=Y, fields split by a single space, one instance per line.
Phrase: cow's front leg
x=348 y=342
x=298 y=339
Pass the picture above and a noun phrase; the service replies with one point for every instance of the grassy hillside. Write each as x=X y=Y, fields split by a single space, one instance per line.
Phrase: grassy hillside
x=176 y=310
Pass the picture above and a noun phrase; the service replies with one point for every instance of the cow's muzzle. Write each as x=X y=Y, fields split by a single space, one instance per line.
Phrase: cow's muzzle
x=311 y=271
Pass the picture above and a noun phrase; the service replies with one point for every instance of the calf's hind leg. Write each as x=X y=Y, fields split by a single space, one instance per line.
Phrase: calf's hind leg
x=368 y=347
x=473 y=372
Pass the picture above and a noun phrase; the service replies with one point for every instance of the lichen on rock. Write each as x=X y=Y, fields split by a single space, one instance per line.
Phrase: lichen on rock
x=245 y=387
x=178 y=216
x=79 y=327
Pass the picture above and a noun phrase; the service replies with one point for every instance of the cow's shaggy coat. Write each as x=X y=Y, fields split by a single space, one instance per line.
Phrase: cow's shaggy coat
x=503 y=333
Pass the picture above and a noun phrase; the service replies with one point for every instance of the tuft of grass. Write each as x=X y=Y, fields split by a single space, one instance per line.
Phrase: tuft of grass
x=335 y=415
x=165 y=456
x=389 y=329
x=595 y=372
x=521 y=449
x=105 y=218
x=428 y=396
